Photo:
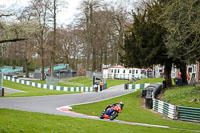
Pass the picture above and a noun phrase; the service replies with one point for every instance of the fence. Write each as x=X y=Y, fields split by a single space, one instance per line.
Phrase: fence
x=136 y=86
x=10 y=70
x=161 y=107
x=169 y=110
x=164 y=108
x=51 y=87
x=189 y=114
x=124 y=76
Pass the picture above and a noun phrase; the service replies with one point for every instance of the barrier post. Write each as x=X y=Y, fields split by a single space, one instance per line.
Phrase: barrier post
x=2 y=89
x=3 y=92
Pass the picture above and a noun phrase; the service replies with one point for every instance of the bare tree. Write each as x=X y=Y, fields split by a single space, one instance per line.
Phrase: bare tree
x=40 y=11
x=70 y=46
x=103 y=26
x=89 y=7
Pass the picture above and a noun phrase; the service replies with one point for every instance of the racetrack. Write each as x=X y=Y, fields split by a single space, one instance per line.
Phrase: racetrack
x=58 y=104
x=49 y=104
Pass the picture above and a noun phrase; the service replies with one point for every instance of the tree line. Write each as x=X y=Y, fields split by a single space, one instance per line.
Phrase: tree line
x=152 y=32
x=35 y=39
x=164 y=32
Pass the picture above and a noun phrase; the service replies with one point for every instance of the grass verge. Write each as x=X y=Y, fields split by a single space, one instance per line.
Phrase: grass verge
x=183 y=96
x=133 y=112
x=59 y=84
x=30 y=91
x=152 y=80
x=149 y=80
x=113 y=82
x=86 y=82
x=13 y=121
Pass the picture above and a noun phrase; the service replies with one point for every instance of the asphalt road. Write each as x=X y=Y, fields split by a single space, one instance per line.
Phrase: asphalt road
x=49 y=104
x=9 y=90
x=60 y=104
x=54 y=103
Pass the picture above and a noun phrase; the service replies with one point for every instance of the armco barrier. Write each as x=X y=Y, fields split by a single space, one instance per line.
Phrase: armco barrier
x=172 y=111
x=189 y=114
x=159 y=106
x=51 y=87
x=164 y=108
x=137 y=86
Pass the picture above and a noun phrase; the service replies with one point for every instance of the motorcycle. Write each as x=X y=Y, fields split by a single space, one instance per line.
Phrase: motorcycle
x=111 y=113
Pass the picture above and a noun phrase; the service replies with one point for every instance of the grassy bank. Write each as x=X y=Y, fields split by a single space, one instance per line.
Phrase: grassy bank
x=183 y=96
x=59 y=84
x=88 y=81
x=85 y=81
x=133 y=112
x=113 y=82
x=152 y=80
x=34 y=91
x=78 y=82
x=149 y=80
x=13 y=121
x=30 y=91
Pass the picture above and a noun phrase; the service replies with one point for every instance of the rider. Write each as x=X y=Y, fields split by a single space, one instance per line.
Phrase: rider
x=107 y=109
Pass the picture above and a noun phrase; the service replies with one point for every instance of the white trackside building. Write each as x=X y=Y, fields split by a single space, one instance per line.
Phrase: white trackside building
x=120 y=72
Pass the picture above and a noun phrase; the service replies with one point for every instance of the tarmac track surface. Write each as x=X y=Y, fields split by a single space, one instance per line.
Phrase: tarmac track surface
x=60 y=104
x=9 y=90
x=49 y=104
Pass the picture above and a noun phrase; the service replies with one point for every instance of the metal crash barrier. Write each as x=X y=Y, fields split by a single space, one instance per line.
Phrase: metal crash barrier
x=189 y=114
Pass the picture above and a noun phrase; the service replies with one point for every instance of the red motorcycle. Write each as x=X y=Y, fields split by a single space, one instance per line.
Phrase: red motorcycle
x=111 y=113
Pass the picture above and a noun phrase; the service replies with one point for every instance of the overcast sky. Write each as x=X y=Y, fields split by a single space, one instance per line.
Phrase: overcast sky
x=64 y=17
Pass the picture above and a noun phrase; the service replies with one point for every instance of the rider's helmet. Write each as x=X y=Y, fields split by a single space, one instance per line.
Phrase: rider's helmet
x=121 y=105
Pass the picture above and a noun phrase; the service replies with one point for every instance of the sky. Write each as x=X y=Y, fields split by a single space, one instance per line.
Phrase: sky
x=65 y=16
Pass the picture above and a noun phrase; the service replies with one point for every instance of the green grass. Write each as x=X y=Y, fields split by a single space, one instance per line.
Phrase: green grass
x=113 y=82
x=85 y=81
x=75 y=82
x=183 y=96
x=88 y=81
x=59 y=84
x=34 y=91
x=149 y=80
x=30 y=91
x=133 y=112
x=13 y=121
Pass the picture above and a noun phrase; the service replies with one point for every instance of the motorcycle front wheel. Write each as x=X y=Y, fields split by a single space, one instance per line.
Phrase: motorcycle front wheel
x=101 y=115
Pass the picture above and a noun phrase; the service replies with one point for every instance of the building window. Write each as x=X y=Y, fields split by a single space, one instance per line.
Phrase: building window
x=124 y=71
x=133 y=71
x=136 y=71
x=194 y=69
x=115 y=71
x=111 y=70
x=189 y=69
x=118 y=70
x=129 y=71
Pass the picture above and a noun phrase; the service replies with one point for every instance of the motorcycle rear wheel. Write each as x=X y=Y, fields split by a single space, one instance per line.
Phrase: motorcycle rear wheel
x=113 y=115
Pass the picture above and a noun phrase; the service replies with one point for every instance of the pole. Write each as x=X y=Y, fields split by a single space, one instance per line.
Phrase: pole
x=93 y=79
x=2 y=89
